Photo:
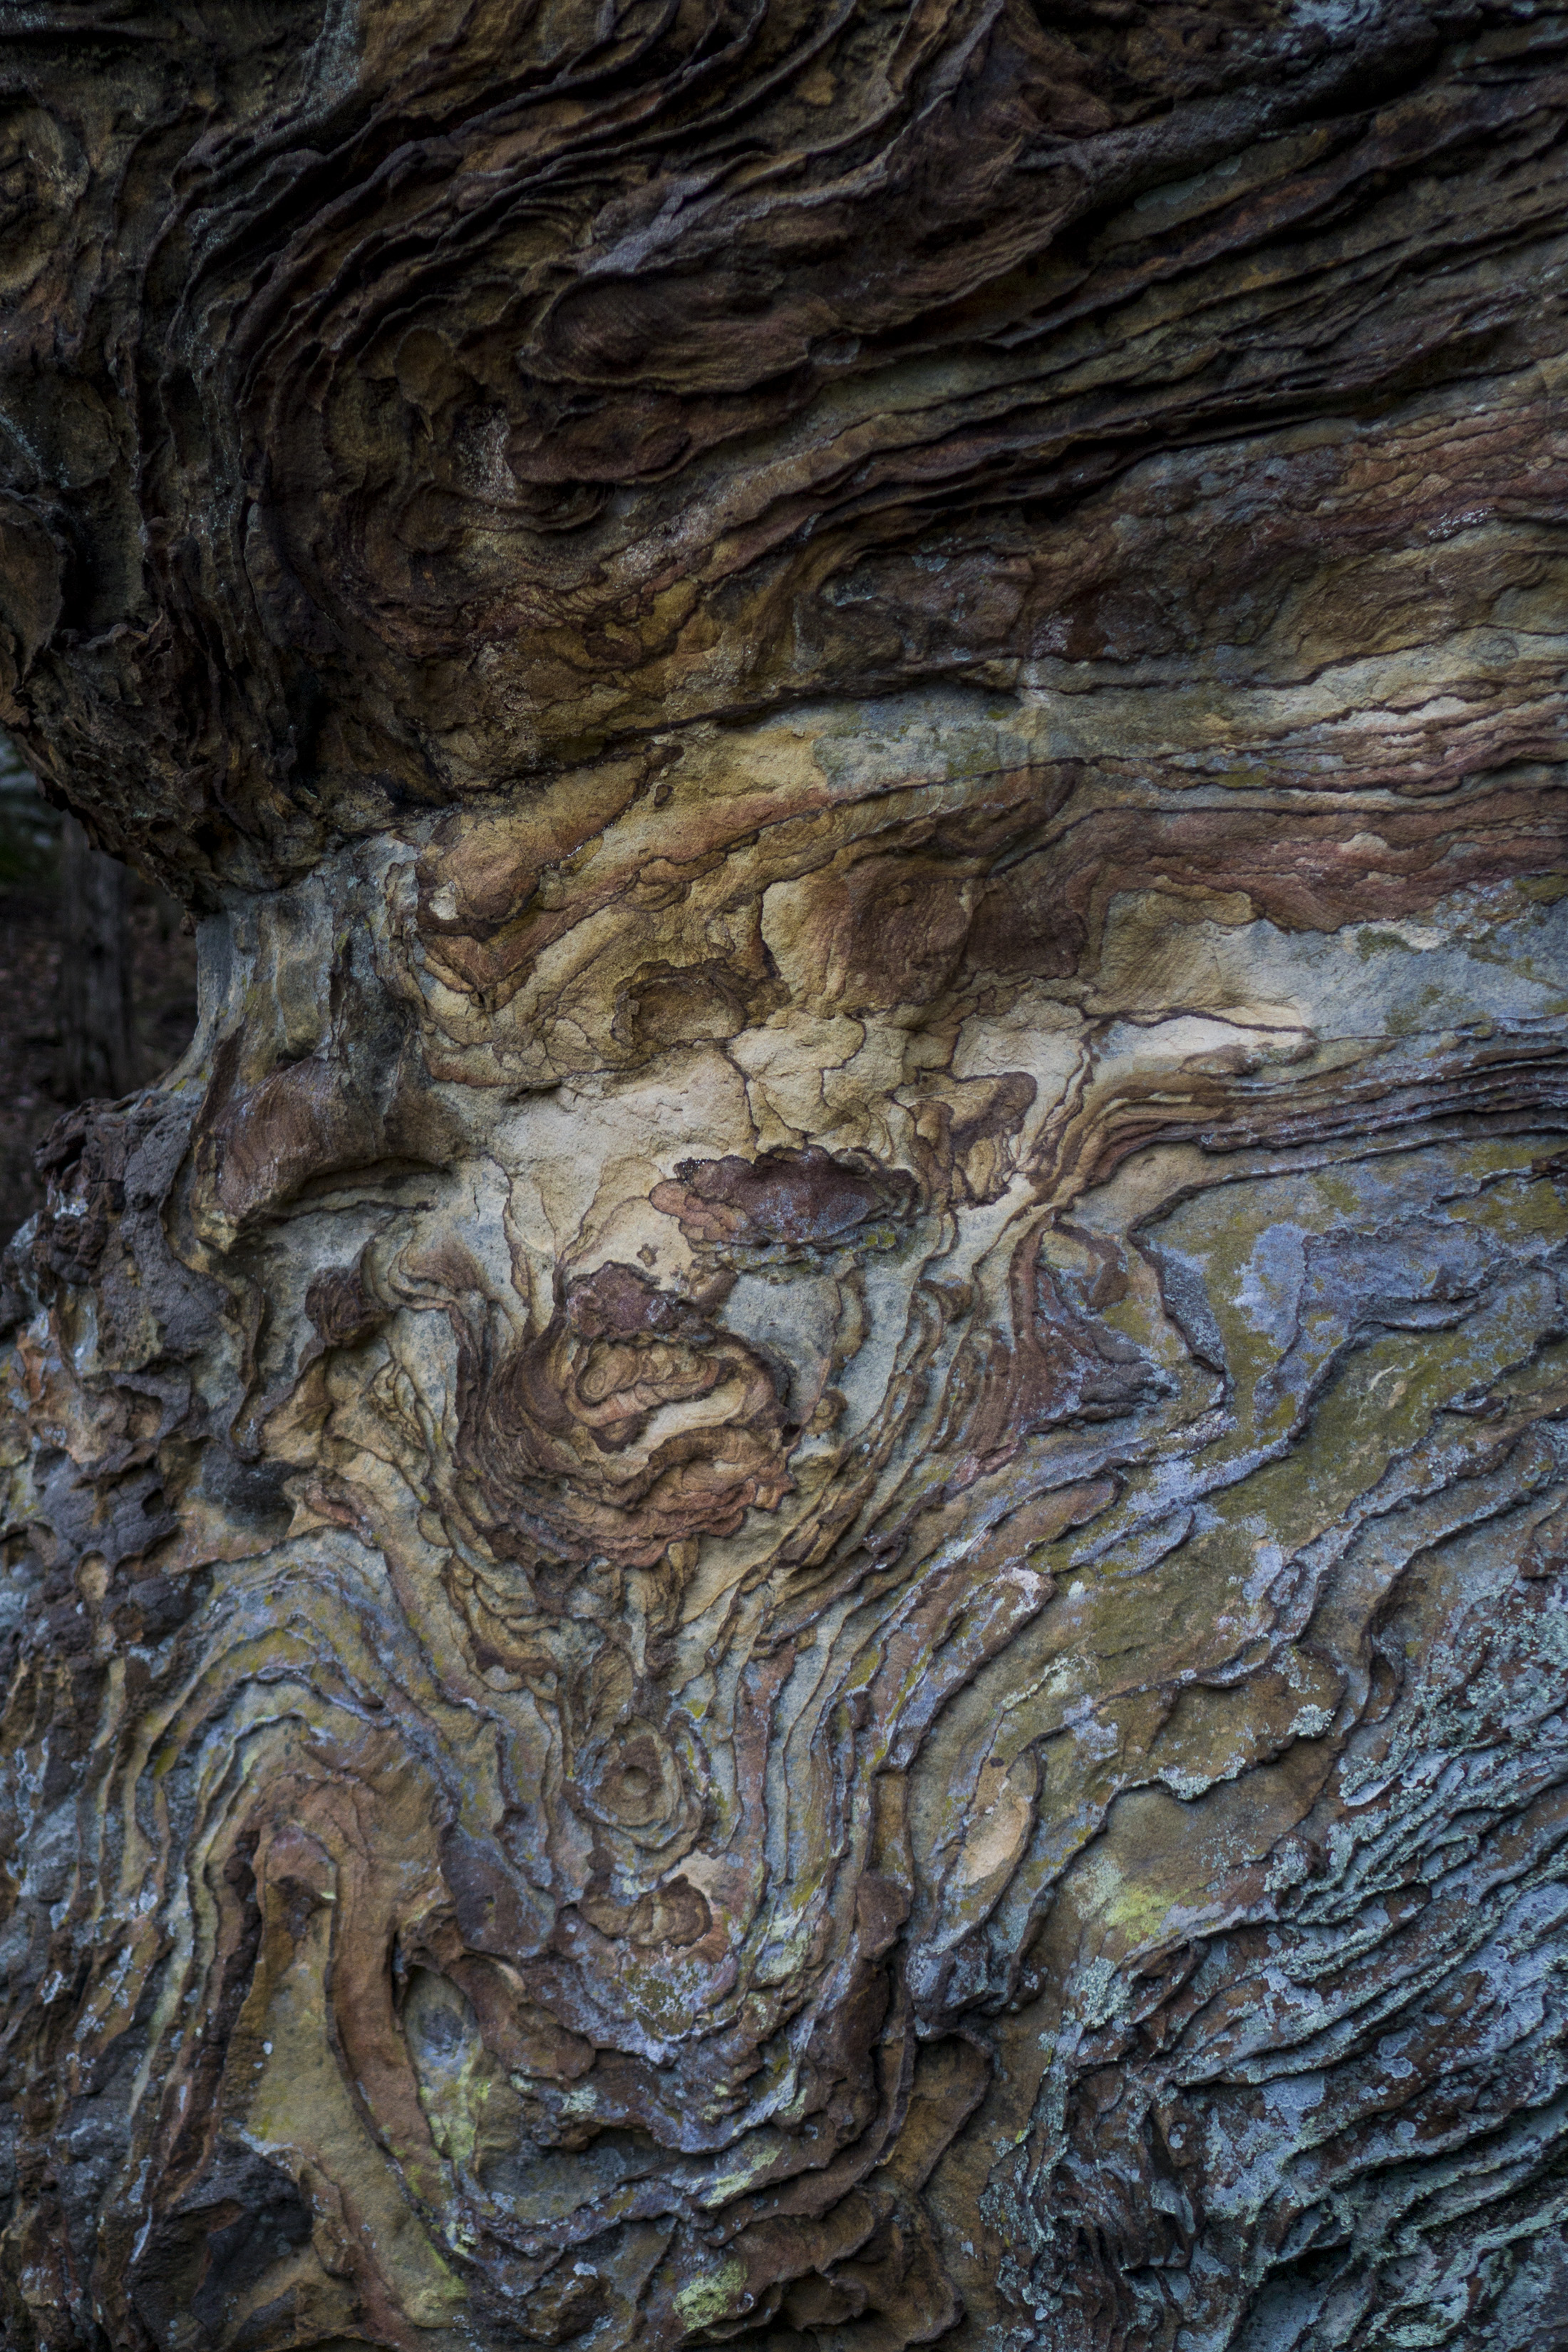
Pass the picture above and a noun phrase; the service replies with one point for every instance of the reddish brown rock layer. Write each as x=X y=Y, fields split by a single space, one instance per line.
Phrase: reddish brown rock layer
x=786 y=1552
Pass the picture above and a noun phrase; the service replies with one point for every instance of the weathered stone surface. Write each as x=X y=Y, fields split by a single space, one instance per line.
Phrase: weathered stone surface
x=789 y=1550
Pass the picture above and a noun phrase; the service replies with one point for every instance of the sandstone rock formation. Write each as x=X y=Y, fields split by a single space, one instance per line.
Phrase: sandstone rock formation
x=788 y=1550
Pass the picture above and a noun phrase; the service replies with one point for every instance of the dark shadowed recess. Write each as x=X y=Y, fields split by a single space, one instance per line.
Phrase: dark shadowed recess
x=33 y=1087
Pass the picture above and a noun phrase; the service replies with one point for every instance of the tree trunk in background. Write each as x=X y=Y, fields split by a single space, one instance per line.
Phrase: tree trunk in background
x=786 y=1556
x=97 y=1049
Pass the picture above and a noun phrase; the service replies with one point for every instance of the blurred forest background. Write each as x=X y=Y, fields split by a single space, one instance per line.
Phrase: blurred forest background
x=98 y=979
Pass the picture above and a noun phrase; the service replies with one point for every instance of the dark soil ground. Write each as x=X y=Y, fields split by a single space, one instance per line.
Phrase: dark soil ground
x=164 y=993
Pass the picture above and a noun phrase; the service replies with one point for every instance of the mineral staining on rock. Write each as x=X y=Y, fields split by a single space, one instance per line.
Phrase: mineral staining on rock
x=775 y=1601
x=789 y=1549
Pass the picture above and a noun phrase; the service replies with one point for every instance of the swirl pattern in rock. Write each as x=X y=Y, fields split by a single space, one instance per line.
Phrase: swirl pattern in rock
x=787 y=1553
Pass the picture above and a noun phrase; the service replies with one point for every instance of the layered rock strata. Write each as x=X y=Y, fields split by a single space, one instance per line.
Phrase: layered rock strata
x=788 y=1550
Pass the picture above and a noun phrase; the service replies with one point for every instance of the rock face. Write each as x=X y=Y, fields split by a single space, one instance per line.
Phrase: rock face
x=788 y=1551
